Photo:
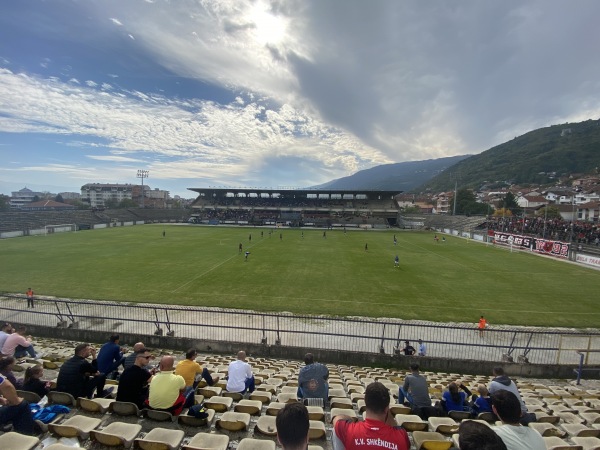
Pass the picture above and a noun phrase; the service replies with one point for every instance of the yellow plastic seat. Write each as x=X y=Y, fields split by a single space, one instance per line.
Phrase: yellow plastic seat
x=430 y=440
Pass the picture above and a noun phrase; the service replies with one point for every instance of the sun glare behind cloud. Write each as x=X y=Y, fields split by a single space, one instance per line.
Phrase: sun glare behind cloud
x=269 y=29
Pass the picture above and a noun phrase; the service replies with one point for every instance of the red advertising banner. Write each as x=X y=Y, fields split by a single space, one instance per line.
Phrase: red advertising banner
x=553 y=248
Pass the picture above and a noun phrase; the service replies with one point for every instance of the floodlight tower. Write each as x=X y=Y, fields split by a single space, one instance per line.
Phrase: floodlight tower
x=143 y=174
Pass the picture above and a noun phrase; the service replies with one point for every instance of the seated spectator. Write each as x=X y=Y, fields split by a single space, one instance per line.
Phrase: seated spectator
x=18 y=344
x=79 y=377
x=15 y=410
x=110 y=357
x=507 y=407
x=189 y=369
x=134 y=381
x=239 y=375
x=33 y=381
x=7 y=365
x=455 y=400
x=379 y=430
x=292 y=425
x=5 y=330
x=166 y=388
x=473 y=435
x=503 y=382
x=130 y=358
x=312 y=379
x=483 y=403
x=415 y=393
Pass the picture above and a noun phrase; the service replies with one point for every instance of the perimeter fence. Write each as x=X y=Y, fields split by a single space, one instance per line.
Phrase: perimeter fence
x=344 y=334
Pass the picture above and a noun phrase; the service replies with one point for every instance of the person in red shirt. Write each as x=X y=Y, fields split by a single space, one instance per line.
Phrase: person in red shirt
x=29 y=294
x=482 y=325
x=378 y=431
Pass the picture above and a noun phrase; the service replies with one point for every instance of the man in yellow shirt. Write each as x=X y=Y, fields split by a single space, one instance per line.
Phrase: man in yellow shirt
x=166 y=388
x=189 y=369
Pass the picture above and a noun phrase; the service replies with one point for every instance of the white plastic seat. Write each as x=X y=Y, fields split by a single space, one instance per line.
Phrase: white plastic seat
x=75 y=426
x=252 y=407
x=443 y=425
x=256 y=444
x=17 y=441
x=207 y=441
x=556 y=443
x=234 y=421
x=117 y=434
x=411 y=422
x=161 y=438
x=266 y=425
x=219 y=404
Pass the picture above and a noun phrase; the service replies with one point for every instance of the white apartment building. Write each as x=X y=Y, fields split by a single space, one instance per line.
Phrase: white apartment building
x=96 y=194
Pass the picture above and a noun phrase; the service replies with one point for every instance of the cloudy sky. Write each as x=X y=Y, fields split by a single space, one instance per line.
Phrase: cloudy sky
x=278 y=93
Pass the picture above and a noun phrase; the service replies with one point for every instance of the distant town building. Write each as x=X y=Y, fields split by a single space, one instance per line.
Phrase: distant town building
x=70 y=195
x=531 y=201
x=23 y=197
x=153 y=198
x=98 y=194
x=443 y=203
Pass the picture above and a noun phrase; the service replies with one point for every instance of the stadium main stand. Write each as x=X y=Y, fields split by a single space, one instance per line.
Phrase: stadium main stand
x=295 y=207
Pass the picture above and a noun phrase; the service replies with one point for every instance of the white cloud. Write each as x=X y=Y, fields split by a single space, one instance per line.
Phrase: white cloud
x=116 y=21
x=226 y=141
x=91 y=83
x=113 y=158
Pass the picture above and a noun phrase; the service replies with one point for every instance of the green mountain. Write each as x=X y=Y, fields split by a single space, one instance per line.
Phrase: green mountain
x=404 y=176
x=541 y=156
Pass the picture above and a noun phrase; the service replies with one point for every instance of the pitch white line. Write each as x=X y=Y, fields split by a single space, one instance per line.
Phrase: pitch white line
x=210 y=270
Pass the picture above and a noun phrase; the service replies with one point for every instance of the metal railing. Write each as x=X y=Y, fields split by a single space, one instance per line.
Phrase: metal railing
x=518 y=344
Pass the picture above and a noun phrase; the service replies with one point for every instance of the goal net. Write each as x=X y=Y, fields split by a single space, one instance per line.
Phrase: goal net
x=60 y=228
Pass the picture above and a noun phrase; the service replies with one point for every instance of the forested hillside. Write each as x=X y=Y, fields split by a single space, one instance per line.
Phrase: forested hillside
x=538 y=157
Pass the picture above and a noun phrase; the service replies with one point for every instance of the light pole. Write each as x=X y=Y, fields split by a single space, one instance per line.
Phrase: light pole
x=143 y=174
x=455 y=188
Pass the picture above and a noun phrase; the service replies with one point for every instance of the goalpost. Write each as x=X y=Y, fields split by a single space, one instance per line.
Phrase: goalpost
x=60 y=228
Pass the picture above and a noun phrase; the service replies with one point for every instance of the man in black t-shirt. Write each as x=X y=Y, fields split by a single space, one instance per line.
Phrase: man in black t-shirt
x=134 y=381
x=408 y=349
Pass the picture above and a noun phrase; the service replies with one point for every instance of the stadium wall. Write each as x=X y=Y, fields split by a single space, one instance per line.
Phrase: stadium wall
x=474 y=367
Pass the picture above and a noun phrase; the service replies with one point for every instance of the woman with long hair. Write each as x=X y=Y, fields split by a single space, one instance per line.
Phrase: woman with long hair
x=33 y=381
x=453 y=399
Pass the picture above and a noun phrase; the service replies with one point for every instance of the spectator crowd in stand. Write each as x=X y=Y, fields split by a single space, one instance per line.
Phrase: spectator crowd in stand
x=171 y=387
x=553 y=229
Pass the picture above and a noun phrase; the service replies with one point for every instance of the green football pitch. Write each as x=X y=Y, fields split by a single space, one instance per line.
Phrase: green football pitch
x=304 y=272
